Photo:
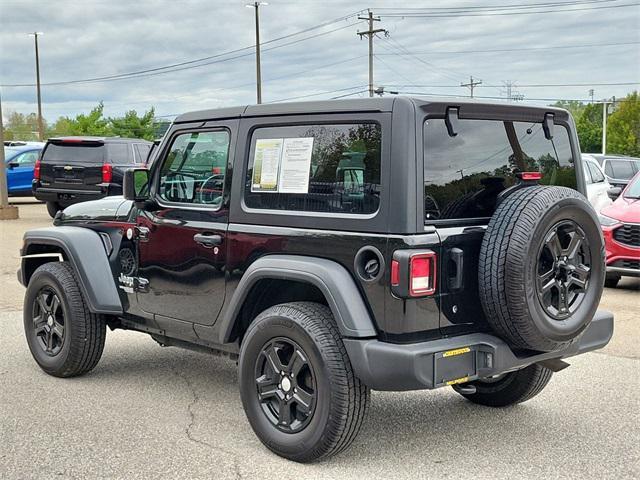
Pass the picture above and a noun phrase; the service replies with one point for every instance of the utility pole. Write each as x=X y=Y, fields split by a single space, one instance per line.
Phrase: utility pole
x=7 y=212
x=591 y=92
x=471 y=84
x=371 y=33
x=256 y=6
x=605 y=104
x=40 y=123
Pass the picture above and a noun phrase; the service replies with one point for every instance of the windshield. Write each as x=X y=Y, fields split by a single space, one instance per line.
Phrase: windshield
x=70 y=153
x=633 y=190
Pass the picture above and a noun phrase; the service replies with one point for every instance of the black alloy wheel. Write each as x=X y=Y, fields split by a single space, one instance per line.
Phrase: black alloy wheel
x=49 y=322
x=285 y=385
x=564 y=268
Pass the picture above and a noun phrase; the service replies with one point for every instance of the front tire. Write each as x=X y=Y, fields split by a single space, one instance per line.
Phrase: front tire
x=64 y=337
x=298 y=389
x=509 y=389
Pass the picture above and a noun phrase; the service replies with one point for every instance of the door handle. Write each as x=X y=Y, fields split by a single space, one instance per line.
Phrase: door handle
x=208 y=239
x=457 y=257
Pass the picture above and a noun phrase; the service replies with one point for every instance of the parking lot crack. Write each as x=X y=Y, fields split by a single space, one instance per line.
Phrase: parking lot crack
x=188 y=430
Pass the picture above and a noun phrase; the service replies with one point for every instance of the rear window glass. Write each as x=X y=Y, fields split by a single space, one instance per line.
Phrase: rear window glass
x=622 y=169
x=464 y=174
x=74 y=153
x=315 y=168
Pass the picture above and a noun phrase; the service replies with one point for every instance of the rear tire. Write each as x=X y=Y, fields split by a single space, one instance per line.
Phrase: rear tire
x=611 y=281
x=297 y=386
x=52 y=208
x=64 y=337
x=510 y=388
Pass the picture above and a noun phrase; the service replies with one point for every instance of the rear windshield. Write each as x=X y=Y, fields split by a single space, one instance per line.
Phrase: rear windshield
x=463 y=174
x=622 y=169
x=73 y=153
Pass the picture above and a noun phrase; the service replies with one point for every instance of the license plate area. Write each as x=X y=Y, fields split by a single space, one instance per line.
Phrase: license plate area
x=454 y=366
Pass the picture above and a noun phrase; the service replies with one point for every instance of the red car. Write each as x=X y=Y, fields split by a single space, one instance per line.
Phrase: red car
x=621 y=227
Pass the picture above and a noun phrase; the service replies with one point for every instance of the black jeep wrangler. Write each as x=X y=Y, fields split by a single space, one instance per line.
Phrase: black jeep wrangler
x=336 y=247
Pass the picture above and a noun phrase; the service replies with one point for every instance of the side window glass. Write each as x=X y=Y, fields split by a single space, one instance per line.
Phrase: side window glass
x=596 y=174
x=588 y=177
x=194 y=169
x=27 y=158
x=141 y=152
x=607 y=169
x=119 y=153
x=315 y=168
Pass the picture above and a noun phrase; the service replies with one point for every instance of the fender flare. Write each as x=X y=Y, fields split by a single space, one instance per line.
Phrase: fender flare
x=332 y=279
x=86 y=253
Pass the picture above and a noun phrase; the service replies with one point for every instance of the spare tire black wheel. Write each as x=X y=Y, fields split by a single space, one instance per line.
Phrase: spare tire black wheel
x=541 y=271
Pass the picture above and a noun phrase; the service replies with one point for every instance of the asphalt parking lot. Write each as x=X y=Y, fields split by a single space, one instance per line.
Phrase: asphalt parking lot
x=149 y=412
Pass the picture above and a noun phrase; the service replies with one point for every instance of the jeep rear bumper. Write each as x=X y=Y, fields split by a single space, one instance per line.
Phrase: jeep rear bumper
x=460 y=359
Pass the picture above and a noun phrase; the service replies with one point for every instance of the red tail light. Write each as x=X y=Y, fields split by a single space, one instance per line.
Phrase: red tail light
x=413 y=273
x=36 y=170
x=422 y=274
x=107 y=173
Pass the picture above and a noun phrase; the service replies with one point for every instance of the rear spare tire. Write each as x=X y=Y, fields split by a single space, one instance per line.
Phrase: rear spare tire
x=541 y=271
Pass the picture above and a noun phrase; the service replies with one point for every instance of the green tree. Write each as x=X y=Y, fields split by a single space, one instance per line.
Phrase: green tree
x=589 y=126
x=133 y=125
x=575 y=107
x=623 y=127
x=94 y=123
x=21 y=127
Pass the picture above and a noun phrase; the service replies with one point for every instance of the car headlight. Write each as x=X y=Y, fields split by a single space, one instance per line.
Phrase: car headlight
x=607 y=221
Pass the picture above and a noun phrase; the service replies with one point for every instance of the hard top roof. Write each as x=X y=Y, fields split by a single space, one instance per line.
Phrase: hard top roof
x=377 y=104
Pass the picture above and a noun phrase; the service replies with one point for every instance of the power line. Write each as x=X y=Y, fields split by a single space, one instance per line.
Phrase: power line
x=500 y=13
x=528 y=85
x=318 y=94
x=501 y=50
x=498 y=7
x=192 y=63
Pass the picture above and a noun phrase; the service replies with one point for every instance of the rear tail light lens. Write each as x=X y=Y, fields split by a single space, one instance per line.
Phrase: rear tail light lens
x=422 y=274
x=107 y=173
x=36 y=170
x=395 y=273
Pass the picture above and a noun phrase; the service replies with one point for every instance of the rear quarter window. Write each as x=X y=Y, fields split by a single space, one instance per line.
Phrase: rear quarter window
x=315 y=168
x=464 y=174
x=119 y=153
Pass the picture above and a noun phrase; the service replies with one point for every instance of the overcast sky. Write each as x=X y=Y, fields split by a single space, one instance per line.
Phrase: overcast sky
x=94 y=38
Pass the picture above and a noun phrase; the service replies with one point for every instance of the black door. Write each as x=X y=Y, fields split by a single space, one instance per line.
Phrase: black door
x=182 y=241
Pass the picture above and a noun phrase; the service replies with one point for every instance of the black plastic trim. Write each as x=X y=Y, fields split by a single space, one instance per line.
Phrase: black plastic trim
x=332 y=279
x=85 y=251
x=393 y=367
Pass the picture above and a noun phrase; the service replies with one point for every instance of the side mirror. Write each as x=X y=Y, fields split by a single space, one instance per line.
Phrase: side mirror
x=614 y=192
x=12 y=165
x=135 y=185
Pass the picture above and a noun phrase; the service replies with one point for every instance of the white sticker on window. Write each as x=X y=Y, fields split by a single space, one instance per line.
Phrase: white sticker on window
x=296 y=164
x=266 y=163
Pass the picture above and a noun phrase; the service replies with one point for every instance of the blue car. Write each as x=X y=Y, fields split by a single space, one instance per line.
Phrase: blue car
x=20 y=162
